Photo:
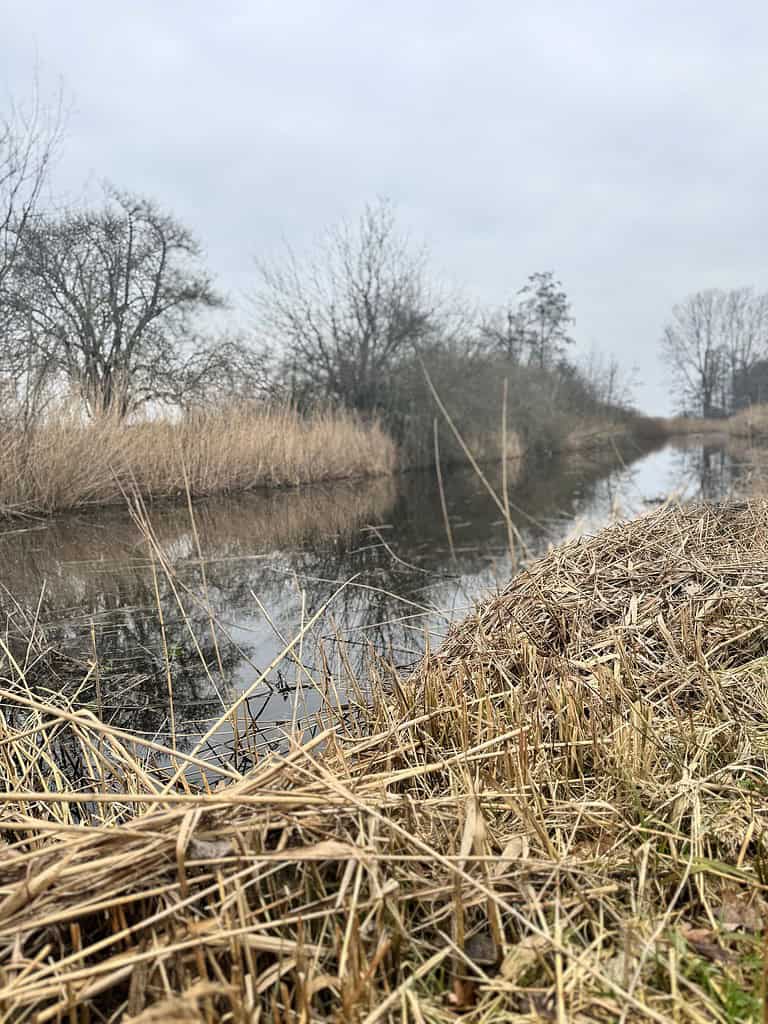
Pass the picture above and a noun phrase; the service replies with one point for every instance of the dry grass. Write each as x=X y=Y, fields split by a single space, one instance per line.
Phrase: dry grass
x=678 y=426
x=67 y=463
x=751 y=422
x=595 y=432
x=561 y=816
x=490 y=446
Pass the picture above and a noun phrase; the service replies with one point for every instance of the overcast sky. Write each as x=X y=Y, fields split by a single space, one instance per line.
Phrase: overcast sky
x=621 y=144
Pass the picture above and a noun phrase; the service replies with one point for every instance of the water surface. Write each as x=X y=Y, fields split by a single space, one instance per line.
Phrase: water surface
x=91 y=589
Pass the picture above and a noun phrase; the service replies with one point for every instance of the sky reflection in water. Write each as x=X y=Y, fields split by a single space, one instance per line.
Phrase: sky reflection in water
x=272 y=560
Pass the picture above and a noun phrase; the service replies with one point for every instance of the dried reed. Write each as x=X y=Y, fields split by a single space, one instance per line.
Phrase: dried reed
x=69 y=463
x=679 y=426
x=560 y=816
x=751 y=422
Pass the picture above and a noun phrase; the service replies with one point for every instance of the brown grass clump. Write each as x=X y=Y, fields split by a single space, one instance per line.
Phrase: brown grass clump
x=751 y=422
x=603 y=432
x=70 y=463
x=678 y=426
x=561 y=816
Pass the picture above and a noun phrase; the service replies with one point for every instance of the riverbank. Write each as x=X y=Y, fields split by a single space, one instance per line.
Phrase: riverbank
x=67 y=463
x=611 y=432
x=559 y=815
x=751 y=423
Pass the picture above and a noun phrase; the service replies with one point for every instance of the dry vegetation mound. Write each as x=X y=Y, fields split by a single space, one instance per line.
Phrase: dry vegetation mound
x=561 y=816
x=653 y=609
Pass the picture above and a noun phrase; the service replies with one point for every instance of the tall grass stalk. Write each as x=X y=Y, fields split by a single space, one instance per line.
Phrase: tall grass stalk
x=67 y=462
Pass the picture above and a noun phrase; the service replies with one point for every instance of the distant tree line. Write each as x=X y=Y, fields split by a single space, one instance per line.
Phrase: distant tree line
x=356 y=322
x=112 y=303
x=716 y=346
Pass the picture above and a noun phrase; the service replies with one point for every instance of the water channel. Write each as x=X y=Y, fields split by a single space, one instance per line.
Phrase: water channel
x=88 y=588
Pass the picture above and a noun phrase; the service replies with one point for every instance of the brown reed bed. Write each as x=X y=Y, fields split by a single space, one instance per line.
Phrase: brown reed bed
x=679 y=426
x=750 y=423
x=561 y=816
x=597 y=432
x=67 y=462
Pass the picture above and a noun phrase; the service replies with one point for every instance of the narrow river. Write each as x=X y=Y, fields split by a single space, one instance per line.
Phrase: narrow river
x=85 y=587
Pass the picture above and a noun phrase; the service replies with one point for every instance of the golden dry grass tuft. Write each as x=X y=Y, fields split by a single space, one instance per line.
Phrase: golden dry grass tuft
x=561 y=816
x=751 y=422
x=595 y=432
x=678 y=426
x=68 y=463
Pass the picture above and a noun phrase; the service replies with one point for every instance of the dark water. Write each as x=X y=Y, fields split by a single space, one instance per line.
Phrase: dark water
x=86 y=588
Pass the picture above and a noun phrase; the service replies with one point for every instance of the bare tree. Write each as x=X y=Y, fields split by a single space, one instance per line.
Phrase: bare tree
x=536 y=326
x=346 y=317
x=744 y=338
x=712 y=342
x=29 y=137
x=544 y=316
x=691 y=346
x=503 y=331
x=607 y=381
x=209 y=368
x=105 y=300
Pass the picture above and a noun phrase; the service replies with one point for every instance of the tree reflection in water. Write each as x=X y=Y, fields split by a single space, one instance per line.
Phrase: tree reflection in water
x=272 y=560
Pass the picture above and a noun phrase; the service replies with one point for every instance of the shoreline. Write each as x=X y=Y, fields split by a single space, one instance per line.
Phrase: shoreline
x=67 y=466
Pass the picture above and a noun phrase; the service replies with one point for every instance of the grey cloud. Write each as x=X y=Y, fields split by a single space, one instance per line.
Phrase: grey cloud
x=620 y=144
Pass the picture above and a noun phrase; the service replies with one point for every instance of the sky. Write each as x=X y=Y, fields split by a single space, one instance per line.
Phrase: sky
x=621 y=144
